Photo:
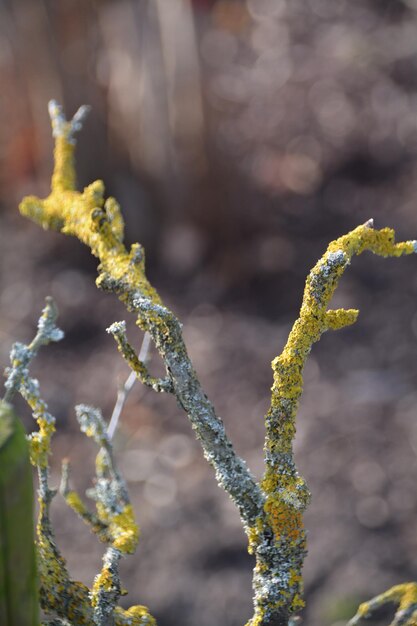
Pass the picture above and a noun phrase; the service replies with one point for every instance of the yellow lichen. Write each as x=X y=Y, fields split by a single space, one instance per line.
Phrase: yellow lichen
x=135 y=616
x=284 y=519
x=297 y=603
x=55 y=582
x=39 y=445
x=104 y=581
x=253 y=533
x=124 y=530
x=404 y=596
x=96 y=223
x=408 y=594
x=75 y=502
x=315 y=319
x=39 y=442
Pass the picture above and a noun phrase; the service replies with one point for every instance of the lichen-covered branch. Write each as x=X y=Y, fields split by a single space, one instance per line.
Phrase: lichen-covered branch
x=113 y=523
x=404 y=596
x=98 y=224
x=69 y=601
x=21 y=355
x=138 y=366
x=272 y=512
x=278 y=581
x=110 y=493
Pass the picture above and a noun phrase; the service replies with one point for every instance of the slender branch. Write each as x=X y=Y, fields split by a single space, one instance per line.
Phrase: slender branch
x=124 y=391
x=118 y=528
x=72 y=498
x=136 y=364
x=22 y=355
x=122 y=395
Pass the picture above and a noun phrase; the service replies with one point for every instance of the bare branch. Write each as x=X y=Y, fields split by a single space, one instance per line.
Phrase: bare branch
x=124 y=391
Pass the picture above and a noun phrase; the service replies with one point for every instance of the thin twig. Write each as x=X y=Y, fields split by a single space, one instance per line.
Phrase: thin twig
x=124 y=391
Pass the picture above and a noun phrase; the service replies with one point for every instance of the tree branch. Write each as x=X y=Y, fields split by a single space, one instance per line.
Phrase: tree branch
x=86 y=216
x=124 y=391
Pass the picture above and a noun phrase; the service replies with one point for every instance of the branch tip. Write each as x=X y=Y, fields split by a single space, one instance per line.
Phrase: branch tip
x=61 y=127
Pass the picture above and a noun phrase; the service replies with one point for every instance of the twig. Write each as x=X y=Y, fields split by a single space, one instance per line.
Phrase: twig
x=124 y=391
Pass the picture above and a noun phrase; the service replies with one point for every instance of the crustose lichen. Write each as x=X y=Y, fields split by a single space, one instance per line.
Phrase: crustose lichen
x=272 y=510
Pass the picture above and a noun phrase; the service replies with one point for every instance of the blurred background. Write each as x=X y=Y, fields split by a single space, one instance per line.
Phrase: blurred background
x=240 y=137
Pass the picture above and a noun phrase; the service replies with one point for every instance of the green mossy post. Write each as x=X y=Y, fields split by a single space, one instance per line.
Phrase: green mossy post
x=19 y=600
